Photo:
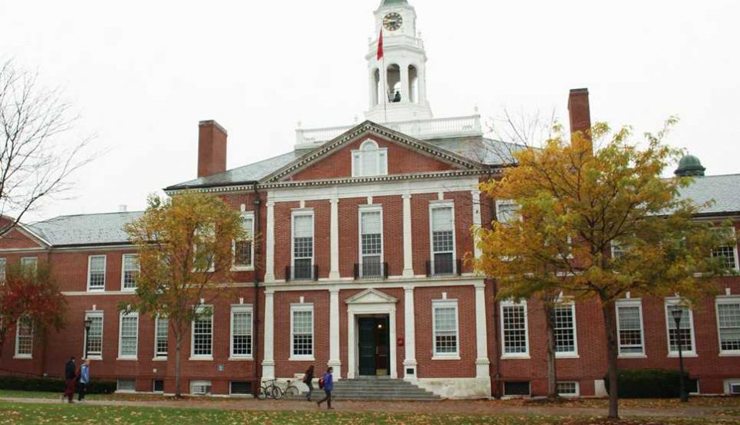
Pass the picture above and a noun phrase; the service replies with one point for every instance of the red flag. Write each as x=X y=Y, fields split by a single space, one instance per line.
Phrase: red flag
x=380 y=45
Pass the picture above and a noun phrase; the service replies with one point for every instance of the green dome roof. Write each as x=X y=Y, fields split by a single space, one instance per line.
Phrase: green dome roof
x=690 y=165
x=392 y=2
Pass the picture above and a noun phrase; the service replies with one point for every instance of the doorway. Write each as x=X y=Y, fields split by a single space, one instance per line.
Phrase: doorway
x=373 y=345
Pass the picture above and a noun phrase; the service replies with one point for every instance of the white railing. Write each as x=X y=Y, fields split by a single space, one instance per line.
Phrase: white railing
x=433 y=128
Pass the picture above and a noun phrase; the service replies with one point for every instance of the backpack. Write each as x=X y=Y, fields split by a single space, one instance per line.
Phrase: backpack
x=321 y=383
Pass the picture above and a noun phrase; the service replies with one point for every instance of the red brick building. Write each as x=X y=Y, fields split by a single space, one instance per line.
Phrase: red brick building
x=357 y=264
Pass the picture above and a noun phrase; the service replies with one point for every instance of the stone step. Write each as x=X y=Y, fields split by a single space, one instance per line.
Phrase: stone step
x=380 y=389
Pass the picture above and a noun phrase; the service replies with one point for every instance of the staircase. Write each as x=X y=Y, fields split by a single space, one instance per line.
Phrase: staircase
x=380 y=389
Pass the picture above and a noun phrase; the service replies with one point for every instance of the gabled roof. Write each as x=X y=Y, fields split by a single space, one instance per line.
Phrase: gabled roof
x=724 y=190
x=85 y=229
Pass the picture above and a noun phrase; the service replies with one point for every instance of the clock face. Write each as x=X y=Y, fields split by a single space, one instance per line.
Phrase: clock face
x=392 y=21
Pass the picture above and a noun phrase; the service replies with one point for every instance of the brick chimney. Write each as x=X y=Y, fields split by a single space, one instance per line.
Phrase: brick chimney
x=211 y=148
x=579 y=112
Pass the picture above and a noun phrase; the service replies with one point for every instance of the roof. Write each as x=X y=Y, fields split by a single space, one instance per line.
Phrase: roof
x=479 y=149
x=723 y=190
x=85 y=229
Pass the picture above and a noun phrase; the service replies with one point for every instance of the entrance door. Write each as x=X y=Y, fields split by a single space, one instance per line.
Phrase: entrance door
x=374 y=346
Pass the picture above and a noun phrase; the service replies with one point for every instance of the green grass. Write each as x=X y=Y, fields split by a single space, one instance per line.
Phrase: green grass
x=58 y=414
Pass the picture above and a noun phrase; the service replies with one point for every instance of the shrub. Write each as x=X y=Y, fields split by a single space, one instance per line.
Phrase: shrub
x=650 y=383
x=51 y=385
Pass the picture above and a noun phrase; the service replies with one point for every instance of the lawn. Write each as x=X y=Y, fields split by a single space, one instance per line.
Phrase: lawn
x=17 y=413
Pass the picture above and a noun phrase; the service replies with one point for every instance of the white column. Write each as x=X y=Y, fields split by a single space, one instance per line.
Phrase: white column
x=476 y=222
x=405 y=98
x=270 y=243
x=408 y=253
x=409 y=361
x=334 y=343
x=268 y=363
x=334 y=242
x=481 y=362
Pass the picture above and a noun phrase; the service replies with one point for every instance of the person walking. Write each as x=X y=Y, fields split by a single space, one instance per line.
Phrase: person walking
x=84 y=380
x=70 y=376
x=308 y=380
x=328 y=380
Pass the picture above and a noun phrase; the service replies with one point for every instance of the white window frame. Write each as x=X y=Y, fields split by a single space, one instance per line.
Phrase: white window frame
x=734 y=247
x=245 y=215
x=241 y=308
x=433 y=205
x=123 y=272
x=724 y=300
x=302 y=308
x=157 y=324
x=370 y=209
x=507 y=203
x=302 y=212
x=18 y=354
x=206 y=384
x=729 y=383
x=33 y=260
x=126 y=390
x=444 y=355
x=522 y=304
x=630 y=303
x=685 y=353
x=90 y=315
x=212 y=265
x=121 y=316
x=89 y=272
x=3 y=267
x=567 y=395
x=574 y=352
x=381 y=159
x=194 y=356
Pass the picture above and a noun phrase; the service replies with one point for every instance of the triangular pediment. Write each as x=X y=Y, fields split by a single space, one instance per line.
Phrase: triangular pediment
x=18 y=236
x=371 y=296
x=436 y=158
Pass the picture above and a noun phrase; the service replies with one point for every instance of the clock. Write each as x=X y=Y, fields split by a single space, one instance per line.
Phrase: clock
x=392 y=21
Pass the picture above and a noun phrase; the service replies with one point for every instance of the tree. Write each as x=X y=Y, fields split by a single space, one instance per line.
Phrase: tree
x=38 y=153
x=185 y=256
x=574 y=205
x=33 y=295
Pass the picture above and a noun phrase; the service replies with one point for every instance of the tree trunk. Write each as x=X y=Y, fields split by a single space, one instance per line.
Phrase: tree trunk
x=611 y=349
x=552 y=379
x=178 y=343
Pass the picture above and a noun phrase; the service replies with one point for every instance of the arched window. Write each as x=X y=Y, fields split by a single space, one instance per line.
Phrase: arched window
x=369 y=160
x=394 y=83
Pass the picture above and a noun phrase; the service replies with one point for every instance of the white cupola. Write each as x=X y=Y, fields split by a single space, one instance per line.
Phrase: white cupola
x=398 y=80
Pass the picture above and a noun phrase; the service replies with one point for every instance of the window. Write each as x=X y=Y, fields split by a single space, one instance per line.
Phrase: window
x=506 y=211
x=29 y=264
x=96 y=273
x=158 y=386
x=128 y=340
x=200 y=387
x=369 y=160
x=94 y=339
x=618 y=249
x=685 y=332
x=371 y=242
x=443 y=239
x=240 y=387
x=125 y=385
x=244 y=248
x=727 y=253
x=3 y=263
x=445 y=328
x=564 y=328
x=567 y=389
x=516 y=388
x=241 y=331
x=202 y=344
x=303 y=245
x=24 y=338
x=728 y=325
x=514 y=326
x=161 y=332
x=301 y=331
x=129 y=272
x=203 y=257
x=629 y=328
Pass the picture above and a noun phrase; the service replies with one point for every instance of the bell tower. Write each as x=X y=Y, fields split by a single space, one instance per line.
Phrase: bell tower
x=398 y=80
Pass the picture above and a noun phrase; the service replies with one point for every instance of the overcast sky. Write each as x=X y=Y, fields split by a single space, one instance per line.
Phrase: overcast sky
x=143 y=73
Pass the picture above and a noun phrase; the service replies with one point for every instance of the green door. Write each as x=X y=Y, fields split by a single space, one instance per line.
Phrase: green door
x=367 y=344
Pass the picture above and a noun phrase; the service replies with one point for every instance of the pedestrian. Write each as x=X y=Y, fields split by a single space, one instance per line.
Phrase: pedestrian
x=84 y=380
x=70 y=376
x=308 y=380
x=328 y=382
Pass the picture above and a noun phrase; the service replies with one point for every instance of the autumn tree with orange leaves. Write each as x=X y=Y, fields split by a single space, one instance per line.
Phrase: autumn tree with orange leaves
x=575 y=204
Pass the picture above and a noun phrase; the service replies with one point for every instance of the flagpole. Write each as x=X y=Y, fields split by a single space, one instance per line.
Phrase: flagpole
x=381 y=56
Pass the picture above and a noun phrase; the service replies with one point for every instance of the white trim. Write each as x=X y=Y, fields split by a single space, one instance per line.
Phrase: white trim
x=506 y=202
x=334 y=333
x=669 y=319
x=441 y=205
x=334 y=273
x=734 y=247
x=381 y=159
x=302 y=212
x=268 y=356
x=439 y=304
x=123 y=272
x=194 y=356
x=89 y=271
x=121 y=316
x=633 y=302
x=234 y=267
x=371 y=208
x=33 y=260
x=577 y=392
x=717 y=302
x=91 y=314
x=482 y=361
x=157 y=355
x=294 y=308
x=18 y=355
x=270 y=241
x=369 y=302
x=574 y=353
x=522 y=304
x=408 y=247
x=3 y=268
x=409 y=328
x=477 y=221
x=729 y=383
x=241 y=308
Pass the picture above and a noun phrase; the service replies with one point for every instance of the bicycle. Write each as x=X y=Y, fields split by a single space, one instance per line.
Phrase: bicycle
x=291 y=390
x=270 y=389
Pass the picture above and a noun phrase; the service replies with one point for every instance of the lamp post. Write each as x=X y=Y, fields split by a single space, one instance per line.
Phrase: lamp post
x=88 y=324
x=677 y=312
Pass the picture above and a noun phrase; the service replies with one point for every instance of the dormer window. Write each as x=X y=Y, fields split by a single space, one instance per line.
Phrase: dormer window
x=369 y=160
